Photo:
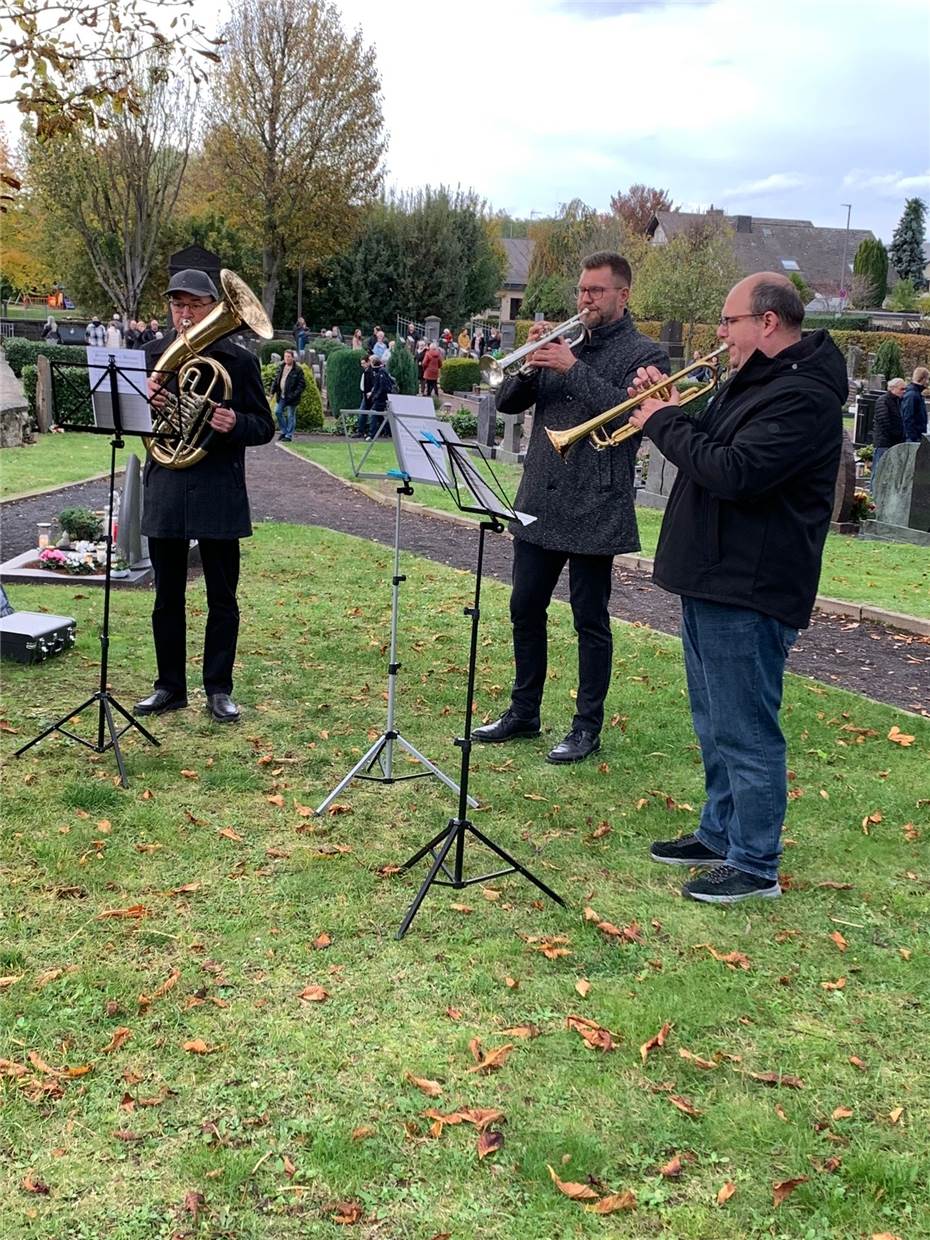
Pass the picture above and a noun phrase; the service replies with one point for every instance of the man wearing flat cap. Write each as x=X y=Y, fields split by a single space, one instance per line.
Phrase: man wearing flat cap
x=207 y=502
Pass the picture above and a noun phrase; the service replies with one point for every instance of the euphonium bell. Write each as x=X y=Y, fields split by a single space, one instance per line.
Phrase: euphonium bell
x=181 y=427
x=563 y=440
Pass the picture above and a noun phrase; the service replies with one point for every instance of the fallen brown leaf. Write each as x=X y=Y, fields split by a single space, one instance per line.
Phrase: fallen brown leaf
x=895 y=1114
x=596 y=1036
x=488 y=1061
x=672 y=1169
x=842 y=1113
x=899 y=737
x=134 y=910
x=321 y=941
x=523 y=1031
x=733 y=960
x=614 y=1203
x=197 y=1046
x=489 y=1142
x=346 y=1213
x=32 y=1184
x=725 y=1193
x=684 y=1104
x=657 y=1039
x=839 y=984
x=362 y=1133
x=511 y=983
x=277 y=799
x=313 y=994
x=858 y=1063
x=577 y=1192
x=839 y=940
x=583 y=986
x=696 y=1059
x=785 y=1188
x=432 y=1089
x=190 y=774
x=229 y=834
x=777 y=1078
x=120 y=1036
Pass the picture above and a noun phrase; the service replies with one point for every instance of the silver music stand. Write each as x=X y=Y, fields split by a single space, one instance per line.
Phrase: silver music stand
x=410 y=418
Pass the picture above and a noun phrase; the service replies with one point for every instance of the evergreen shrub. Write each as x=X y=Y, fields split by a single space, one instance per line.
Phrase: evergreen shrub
x=20 y=353
x=889 y=361
x=326 y=345
x=459 y=374
x=72 y=394
x=273 y=346
x=404 y=371
x=343 y=377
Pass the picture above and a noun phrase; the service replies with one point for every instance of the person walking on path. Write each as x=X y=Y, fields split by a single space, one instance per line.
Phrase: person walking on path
x=432 y=365
x=583 y=505
x=741 y=543
x=288 y=387
x=95 y=334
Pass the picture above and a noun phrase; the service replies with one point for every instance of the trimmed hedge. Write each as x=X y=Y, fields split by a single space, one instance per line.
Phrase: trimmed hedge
x=459 y=374
x=310 y=408
x=839 y=323
x=20 y=353
x=404 y=371
x=326 y=345
x=72 y=394
x=343 y=377
x=273 y=346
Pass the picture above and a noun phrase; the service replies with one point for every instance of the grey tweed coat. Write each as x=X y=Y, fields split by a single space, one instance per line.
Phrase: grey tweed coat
x=584 y=503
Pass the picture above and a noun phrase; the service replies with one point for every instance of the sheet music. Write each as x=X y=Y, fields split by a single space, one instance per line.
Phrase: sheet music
x=135 y=412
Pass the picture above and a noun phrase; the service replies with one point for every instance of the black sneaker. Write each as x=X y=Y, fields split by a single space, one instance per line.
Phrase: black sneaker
x=508 y=727
x=724 y=884
x=687 y=851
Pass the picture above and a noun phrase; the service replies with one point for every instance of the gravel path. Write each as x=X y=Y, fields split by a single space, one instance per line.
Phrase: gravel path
x=870 y=659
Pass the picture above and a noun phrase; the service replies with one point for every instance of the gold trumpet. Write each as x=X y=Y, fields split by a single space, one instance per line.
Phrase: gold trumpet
x=563 y=440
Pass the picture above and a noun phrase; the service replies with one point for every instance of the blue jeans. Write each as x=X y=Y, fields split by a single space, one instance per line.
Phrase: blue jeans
x=877 y=454
x=735 y=663
x=287 y=419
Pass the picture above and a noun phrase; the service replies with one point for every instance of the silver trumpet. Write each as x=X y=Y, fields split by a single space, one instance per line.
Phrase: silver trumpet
x=495 y=370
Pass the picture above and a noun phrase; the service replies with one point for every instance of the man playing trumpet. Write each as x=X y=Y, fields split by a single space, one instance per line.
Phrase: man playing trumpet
x=584 y=509
x=741 y=543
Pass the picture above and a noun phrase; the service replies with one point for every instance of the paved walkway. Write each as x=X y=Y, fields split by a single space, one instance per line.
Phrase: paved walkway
x=865 y=658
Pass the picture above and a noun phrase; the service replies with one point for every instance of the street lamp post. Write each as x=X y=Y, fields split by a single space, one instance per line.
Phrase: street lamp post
x=844 y=275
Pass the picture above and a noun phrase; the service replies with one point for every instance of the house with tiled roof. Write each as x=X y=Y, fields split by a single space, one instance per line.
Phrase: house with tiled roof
x=823 y=257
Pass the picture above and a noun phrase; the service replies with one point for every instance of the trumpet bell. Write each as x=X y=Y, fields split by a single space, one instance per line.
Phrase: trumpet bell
x=491 y=371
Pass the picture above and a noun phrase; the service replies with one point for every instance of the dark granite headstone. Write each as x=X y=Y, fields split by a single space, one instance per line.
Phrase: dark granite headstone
x=902 y=486
x=845 y=490
x=45 y=401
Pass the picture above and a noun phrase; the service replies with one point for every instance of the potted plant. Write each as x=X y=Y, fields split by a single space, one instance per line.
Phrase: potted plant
x=80 y=524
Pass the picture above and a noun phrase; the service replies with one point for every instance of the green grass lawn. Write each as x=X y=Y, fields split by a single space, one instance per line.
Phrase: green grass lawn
x=891 y=575
x=58 y=460
x=161 y=1076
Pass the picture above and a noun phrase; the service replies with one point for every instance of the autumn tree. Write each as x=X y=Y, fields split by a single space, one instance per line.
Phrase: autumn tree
x=688 y=278
x=68 y=62
x=24 y=263
x=638 y=205
x=559 y=246
x=114 y=188
x=294 y=131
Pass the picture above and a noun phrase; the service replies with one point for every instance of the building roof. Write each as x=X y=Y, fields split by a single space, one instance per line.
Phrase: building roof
x=764 y=244
x=519 y=251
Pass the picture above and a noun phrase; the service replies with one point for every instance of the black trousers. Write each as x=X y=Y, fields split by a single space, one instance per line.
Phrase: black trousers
x=535 y=573
x=220 y=559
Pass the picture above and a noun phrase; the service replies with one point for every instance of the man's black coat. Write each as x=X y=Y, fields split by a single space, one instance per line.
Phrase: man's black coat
x=209 y=500
x=749 y=511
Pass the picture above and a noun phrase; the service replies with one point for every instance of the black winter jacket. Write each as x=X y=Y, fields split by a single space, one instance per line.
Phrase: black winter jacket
x=749 y=511
x=293 y=388
x=887 y=427
x=209 y=500
x=584 y=502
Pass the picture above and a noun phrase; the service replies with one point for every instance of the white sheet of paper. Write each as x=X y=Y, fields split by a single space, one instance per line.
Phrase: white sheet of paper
x=413 y=417
x=135 y=412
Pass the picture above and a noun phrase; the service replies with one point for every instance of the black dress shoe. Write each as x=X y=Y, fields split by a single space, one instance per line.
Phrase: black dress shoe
x=222 y=707
x=507 y=728
x=160 y=701
x=577 y=746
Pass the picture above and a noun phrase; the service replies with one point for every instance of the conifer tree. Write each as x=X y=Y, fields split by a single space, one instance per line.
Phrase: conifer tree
x=871 y=263
x=906 y=252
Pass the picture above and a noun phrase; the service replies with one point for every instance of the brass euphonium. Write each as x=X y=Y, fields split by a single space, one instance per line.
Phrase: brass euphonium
x=181 y=426
x=600 y=439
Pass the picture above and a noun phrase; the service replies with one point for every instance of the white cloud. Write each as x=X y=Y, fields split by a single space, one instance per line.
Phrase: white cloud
x=776 y=182
x=890 y=184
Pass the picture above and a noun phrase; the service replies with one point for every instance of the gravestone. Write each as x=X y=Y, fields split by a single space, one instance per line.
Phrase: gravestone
x=844 y=492
x=901 y=491
x=659 y=480
x=854 y=356
x=130 y=543
x=45 y=394
x=670 y=339
x=431 y=327
x=508 y=336
x=512 y=441
x=487 y=420
x=14 y=409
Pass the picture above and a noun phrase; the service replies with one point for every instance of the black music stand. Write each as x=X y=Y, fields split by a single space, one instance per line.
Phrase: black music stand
x=471 y=493
x=111 y=374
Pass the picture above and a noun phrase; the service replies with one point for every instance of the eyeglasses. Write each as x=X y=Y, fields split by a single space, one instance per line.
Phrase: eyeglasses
x=726 y=319
x=188 y=305
x=595 y=291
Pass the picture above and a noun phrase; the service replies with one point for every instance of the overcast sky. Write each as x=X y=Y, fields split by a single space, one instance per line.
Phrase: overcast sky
x=789 y=108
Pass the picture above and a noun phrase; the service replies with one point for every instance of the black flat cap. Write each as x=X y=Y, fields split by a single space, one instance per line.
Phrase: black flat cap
x=197 y=283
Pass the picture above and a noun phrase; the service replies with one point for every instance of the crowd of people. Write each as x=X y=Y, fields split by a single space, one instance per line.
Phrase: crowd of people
x=135 y=334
